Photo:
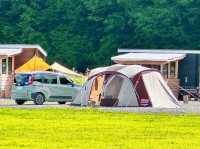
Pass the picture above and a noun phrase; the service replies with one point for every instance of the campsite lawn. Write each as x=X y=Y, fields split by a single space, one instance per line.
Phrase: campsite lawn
x=88 y=128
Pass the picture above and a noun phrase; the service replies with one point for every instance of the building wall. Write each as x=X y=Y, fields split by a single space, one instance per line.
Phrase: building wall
x=6 y=85
x=25 y=56
x=189 y=71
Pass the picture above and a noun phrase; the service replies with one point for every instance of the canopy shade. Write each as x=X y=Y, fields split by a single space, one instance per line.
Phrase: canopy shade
x=58 y=67
x=148 y=57
x=34 y=64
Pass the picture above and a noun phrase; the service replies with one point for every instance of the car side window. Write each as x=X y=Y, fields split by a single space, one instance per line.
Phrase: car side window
x=37 y=78
x=64 y=81
x=50 y=79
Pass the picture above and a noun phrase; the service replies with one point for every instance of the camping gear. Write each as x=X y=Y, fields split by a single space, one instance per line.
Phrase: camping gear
x=186 y=99
x=34 y=64
x=126 y=85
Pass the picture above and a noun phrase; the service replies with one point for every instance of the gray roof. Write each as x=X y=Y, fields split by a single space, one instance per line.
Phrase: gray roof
x=172 y=51
x=22 y=46
x=167 y=57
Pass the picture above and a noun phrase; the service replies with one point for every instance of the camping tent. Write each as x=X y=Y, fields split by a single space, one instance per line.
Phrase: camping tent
x=57 y=67
x=34 y=64
x=126 y=85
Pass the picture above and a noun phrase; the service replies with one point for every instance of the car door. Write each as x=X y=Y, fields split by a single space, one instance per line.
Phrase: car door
x=66 y=89
x=20 y=88
x=50 y=86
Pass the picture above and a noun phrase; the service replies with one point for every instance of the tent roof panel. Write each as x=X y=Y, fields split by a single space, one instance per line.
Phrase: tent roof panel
x=127 y=70
x=132 y=70
x=57 y=67
x=34 y=64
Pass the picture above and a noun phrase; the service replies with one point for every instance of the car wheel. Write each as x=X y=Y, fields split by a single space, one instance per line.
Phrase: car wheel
x=61 y=102
x=39 y=99
x=20 y=102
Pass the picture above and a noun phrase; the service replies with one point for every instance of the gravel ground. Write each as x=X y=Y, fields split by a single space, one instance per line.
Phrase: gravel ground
x=191 y=107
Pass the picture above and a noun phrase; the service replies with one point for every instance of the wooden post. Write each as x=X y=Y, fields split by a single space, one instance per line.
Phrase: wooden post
x=176 y=70
x=168 y=70
x=161 y=69
x=13 y=65
x=6 y=65
x=0 y=66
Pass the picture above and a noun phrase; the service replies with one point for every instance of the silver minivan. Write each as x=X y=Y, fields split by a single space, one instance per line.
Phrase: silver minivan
x=40 y=87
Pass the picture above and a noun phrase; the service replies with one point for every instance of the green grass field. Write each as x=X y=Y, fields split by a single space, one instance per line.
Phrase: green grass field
x=86 y=129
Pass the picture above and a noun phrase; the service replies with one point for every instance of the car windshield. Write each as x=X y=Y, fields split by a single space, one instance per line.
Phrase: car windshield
x=22 y=79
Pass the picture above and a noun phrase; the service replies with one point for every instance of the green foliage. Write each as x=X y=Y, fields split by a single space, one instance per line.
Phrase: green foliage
x=86 y=33
x=81 y=129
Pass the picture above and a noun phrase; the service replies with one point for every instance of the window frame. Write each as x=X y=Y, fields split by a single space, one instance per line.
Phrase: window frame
x=71 y=82
x=9 y=65
x=47 y=76
x=4 y=72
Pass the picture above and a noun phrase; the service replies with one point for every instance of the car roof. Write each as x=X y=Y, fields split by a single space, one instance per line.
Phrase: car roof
x=42 y=72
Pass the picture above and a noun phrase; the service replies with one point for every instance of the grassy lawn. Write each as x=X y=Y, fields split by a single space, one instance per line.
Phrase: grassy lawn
x=72 y=128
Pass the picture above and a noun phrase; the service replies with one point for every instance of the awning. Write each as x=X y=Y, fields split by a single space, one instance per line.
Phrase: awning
x=34 y=64
x=147 y=57
x=58 y=67
x=10 y=52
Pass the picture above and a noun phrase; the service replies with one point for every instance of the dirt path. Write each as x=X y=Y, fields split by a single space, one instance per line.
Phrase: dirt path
x=191 y=107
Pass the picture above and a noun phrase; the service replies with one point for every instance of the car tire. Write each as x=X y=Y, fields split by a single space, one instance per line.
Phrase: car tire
x=39 y=99
x=61 y=102
x=19 y=102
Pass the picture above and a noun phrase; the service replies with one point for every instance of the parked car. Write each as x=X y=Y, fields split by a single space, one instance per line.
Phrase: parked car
x=40 y=87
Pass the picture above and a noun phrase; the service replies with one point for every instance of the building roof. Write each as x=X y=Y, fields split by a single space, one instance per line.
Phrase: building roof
x=13 y=49
x=9 y=52
x=155 y=57
x=177 y=51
